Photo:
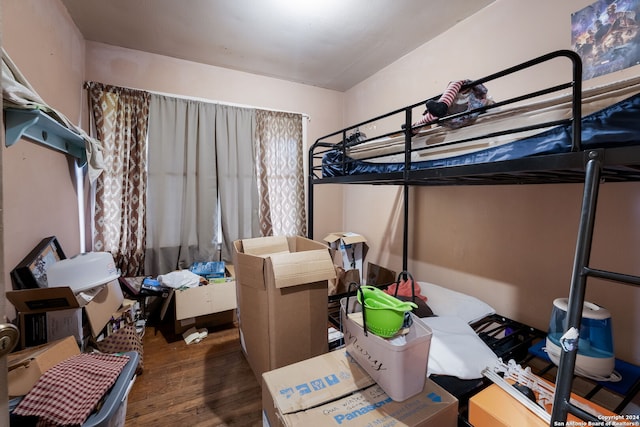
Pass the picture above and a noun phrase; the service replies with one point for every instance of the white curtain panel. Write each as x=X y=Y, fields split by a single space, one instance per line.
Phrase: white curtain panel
x=279 y=145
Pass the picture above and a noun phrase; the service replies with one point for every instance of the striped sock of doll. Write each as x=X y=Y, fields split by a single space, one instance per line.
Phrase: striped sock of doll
x=436 y=109
x=439 y=108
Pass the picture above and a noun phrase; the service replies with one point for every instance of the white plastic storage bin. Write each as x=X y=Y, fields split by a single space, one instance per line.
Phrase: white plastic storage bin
x=83 y=272
x=400 y=370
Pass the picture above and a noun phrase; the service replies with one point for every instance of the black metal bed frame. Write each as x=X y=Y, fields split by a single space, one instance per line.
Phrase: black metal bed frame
x=588 y=166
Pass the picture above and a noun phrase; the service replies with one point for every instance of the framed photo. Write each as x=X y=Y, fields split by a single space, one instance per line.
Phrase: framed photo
x=31 y=272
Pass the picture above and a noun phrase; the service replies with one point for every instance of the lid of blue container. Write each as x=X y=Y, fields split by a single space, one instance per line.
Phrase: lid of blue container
x=589 y=309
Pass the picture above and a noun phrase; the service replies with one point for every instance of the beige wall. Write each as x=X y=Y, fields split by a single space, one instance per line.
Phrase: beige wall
x=510 y=246
x=125 y=67
x=129 y=68
x=38 y=183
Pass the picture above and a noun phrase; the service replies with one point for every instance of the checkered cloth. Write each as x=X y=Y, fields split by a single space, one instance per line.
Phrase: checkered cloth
x=68 y=392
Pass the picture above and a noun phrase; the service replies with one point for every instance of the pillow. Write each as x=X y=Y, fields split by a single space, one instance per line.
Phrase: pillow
x=446 y=302
x=456 y=349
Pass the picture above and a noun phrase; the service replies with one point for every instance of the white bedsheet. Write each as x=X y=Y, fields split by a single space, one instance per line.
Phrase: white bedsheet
x=455 y=348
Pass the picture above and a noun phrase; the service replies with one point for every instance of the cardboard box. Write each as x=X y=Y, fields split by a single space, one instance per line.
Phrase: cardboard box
x=27 y=366
x=207 y=299
x=39 y=328
x=494 y=407
x=103 y=306
x=47 y=314
x=332 y=389
x=282 y=299
x=348 y=251
x=199 y=305
x=125 y=315
x=207 y=321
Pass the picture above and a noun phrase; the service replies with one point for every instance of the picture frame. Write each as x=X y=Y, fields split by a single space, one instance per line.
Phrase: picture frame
x=31 y=272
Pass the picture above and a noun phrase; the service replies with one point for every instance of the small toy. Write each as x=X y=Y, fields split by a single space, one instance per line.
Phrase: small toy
x=455 y=100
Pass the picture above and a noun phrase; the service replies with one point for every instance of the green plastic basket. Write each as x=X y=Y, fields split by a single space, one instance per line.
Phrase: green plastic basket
x=382 y=314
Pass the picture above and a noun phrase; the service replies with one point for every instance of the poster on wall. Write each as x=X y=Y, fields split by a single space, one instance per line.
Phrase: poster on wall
x=605 y=35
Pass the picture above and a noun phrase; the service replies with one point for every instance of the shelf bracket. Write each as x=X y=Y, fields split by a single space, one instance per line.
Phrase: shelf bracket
x=37 y=126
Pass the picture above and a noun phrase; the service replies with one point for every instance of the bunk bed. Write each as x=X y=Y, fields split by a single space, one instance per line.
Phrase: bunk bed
x=566 y=136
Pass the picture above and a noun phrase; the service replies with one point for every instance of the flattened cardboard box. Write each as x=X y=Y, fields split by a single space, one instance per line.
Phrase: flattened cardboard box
x=27 y=366
x=332 y=389
x=282 y=299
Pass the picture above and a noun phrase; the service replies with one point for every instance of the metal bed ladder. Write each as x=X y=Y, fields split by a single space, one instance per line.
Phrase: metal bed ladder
x=581 y=272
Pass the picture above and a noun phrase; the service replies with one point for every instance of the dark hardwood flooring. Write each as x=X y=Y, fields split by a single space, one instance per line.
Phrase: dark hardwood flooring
x=205 y=384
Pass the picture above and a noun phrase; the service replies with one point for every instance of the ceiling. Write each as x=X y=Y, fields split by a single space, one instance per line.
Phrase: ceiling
x=333 y=44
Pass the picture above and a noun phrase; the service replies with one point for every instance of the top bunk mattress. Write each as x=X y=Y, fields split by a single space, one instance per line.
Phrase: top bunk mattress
x=610 y=118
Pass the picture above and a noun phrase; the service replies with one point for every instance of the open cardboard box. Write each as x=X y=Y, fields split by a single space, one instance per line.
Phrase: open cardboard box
x=348 y=251
x=494 y=407
x=282 y=299
x=207 y=305
x=47 y=314
x=332 y=389
x=27 y=366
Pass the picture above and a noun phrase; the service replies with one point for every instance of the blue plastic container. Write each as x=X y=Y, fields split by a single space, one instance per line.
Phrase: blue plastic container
x=595 y=358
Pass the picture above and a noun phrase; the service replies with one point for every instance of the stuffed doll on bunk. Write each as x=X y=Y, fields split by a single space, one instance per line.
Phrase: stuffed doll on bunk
x=457 y=98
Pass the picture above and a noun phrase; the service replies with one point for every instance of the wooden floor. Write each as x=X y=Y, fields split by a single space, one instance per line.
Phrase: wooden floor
x=205 y=384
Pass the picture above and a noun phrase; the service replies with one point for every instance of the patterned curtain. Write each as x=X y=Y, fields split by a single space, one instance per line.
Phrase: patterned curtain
x=121 y=117
x=279 y=154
